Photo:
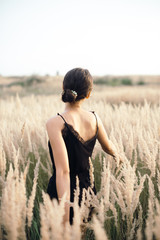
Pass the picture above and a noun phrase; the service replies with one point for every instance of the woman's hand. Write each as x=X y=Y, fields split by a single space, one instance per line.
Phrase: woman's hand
x=118 y=159
x=119 y=162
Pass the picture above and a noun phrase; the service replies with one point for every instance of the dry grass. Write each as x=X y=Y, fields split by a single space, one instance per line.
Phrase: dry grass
x=127 y=205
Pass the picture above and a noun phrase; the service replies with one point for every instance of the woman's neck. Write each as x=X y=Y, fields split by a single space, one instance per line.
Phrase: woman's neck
x=73 y=106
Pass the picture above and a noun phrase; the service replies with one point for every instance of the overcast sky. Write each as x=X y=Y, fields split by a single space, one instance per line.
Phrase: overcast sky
x=105 y=36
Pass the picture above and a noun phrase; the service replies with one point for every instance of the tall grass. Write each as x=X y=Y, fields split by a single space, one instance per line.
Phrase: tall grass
x=127 y=203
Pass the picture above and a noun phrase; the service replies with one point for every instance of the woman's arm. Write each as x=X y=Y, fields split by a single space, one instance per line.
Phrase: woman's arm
x=54 y=127
x=106 y=144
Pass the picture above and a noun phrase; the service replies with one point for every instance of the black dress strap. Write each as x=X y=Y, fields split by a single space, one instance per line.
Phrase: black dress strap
x=96 y=119
x=62 y=117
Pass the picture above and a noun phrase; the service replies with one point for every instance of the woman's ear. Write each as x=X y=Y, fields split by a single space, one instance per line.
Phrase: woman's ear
x=88 y=95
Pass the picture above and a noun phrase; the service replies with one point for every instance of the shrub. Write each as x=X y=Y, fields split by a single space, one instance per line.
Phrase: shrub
x=101 y=81
x=140 y=82
x=126 y=81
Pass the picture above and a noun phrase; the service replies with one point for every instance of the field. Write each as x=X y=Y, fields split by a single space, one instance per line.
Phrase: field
x=127 y=205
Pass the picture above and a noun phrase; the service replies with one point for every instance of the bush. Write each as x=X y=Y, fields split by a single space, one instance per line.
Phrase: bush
x=140 y=82
x=27 y=82
x=115 y=82
x=126 y=81
x=101 y=81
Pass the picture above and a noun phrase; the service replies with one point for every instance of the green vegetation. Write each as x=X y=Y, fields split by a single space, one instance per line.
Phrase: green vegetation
x=126 y=81
x=116 y=81
x=140 y=82
x=27 y=82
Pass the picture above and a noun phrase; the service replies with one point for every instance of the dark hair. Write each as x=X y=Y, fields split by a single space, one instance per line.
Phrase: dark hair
x=77 y=84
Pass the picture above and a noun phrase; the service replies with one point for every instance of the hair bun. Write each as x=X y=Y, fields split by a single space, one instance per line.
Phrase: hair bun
x=69 y=95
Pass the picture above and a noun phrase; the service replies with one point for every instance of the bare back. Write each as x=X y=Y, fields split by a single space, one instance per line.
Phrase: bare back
x=82 y=121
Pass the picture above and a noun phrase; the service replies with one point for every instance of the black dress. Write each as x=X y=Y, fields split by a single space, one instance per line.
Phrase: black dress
x=79 y=152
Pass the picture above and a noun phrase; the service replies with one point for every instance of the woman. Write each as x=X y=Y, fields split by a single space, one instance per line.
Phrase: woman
x=72 y=136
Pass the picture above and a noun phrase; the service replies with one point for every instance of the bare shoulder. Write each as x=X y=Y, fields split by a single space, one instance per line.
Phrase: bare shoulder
x=55 y=123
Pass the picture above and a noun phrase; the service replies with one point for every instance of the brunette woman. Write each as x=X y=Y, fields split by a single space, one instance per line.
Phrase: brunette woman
x=72 y=136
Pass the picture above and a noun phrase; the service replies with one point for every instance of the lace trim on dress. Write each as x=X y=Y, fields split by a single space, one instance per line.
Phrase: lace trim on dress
x=75 y=133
